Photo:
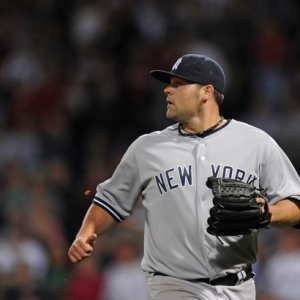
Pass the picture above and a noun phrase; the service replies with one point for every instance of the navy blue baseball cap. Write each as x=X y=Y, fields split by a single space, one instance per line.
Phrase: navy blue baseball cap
x=195 y=68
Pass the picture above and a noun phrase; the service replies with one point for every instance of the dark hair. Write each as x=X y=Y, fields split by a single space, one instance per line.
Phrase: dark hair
x=218 y=97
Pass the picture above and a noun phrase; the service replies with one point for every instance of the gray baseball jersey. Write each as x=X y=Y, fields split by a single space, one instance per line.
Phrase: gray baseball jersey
x=170 y=172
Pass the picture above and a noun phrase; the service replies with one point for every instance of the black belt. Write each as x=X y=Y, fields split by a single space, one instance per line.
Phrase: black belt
x=230 y=279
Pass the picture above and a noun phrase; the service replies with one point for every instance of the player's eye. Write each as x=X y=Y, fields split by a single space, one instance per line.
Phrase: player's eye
x=176 y=83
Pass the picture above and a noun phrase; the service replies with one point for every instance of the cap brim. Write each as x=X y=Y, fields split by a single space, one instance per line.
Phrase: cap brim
x=164 y=76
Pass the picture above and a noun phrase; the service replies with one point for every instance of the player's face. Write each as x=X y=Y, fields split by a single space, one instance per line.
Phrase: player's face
x=183 y=98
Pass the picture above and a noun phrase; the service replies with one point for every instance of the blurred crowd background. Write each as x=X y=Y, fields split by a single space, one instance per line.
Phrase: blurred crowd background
x=75 y=91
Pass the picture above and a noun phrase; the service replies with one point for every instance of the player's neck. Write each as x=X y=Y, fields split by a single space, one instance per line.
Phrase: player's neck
x=201 y=124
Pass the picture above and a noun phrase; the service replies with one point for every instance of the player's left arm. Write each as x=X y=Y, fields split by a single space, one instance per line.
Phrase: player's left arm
x=285 y=213
x=280 y=180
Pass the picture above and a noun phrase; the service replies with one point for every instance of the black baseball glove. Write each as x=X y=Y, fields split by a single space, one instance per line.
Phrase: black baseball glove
x=235 y=211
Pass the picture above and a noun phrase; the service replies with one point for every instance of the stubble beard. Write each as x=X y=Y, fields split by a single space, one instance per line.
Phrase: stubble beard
x=171 y=116
x=174 y=117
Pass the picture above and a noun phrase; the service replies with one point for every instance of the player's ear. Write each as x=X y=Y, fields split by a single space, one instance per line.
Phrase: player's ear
x=208 y=92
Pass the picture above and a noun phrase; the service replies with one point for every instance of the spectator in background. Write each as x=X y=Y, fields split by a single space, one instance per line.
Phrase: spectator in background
x=24 y=259
x=86 y=282
x=280 y=278
x=124 y=278
x=32 y=239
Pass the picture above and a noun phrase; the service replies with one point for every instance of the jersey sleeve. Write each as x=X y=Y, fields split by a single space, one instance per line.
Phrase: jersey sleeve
x=281 y=180
x=119 y=194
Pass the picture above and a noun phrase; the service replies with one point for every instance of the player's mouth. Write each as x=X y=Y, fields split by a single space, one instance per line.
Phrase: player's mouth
x=169 y=102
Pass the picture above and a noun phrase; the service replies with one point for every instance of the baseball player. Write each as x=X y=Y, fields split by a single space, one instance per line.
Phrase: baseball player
x=187 y=255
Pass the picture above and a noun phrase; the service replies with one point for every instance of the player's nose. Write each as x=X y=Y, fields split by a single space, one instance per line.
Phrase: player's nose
x=167 y=90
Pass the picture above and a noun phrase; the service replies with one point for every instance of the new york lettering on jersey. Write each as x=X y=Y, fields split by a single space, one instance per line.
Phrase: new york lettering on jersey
x=233 y=173
x=182 y=176
x=165 y=180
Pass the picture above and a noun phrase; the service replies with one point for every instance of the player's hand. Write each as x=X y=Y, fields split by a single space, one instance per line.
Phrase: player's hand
x=261 y=202
x=82 y=247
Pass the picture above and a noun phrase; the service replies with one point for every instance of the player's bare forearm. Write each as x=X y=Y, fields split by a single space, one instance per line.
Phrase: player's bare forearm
x=96 y=222
x=285 y=213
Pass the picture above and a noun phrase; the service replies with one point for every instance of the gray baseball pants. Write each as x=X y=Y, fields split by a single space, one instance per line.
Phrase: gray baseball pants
x=170 y=288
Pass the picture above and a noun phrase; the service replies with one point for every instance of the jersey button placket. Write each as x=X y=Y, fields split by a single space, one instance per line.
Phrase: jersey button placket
x=201 y=158
x=202 y=145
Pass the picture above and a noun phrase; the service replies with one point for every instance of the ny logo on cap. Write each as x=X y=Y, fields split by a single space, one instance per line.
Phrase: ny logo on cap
x=177 y=64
